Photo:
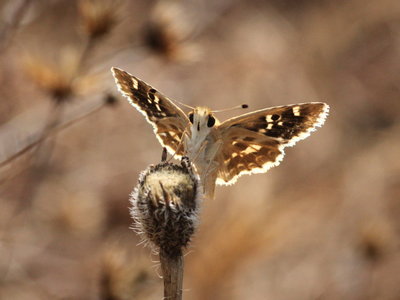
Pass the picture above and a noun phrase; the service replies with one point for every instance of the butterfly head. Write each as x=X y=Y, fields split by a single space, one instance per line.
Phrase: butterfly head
x=202 y=119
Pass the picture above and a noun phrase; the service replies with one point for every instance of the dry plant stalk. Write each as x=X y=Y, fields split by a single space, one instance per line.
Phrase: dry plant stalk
x=165 y=207
x=78 y=115
x=61 y=80
x=7 y=30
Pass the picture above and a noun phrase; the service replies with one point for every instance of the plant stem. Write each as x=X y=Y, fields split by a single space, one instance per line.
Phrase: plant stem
x=172 y=269
x=36 y=140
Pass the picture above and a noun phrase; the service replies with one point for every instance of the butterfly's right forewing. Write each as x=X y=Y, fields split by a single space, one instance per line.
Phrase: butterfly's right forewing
x=255 y=142
x=168 y=120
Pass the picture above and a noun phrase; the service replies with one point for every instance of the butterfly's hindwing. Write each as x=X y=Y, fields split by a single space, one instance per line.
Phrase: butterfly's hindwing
x=168 y=120
x=255 y=142
x=246 y=157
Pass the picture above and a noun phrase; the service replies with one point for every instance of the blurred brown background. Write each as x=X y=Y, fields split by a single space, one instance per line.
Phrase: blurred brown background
x=323 y=225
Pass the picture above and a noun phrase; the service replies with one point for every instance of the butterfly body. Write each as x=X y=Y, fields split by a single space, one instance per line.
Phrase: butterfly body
x=222 y=152
x=200 y=132
x=202 y=143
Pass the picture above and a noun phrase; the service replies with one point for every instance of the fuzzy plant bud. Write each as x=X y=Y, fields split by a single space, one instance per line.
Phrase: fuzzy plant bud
x=165 y=206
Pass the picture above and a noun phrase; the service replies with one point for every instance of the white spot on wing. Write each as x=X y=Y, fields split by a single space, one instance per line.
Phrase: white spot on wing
x=251 y=149
x=135 y=83
x=256 y=147
x=296 y=111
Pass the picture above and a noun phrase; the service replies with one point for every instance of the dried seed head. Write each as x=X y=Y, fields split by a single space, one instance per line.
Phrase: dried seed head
x=165 y=206
x=98 y=17
x=167 y=32
x=110 y=99
x=54 y=77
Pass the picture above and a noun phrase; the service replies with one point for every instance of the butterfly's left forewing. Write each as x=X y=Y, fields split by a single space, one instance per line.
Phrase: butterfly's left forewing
x=255 y=142
x=168 y=120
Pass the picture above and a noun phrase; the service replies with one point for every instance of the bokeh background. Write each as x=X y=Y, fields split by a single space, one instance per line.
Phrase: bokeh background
x=325 y=224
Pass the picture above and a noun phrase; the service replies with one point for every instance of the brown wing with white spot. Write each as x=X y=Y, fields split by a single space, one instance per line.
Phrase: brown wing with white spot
x=255 y=142
x=168 y=120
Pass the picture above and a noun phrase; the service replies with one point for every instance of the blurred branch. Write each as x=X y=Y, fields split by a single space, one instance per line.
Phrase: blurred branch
x=46 y=133
x=9 y=28
x=98 y=18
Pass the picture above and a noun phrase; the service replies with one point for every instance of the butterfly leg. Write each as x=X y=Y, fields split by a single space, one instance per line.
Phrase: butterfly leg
x=180 y=145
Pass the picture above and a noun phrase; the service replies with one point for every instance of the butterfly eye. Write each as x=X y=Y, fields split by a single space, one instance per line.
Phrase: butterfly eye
x=191 y=118
x=210 y=121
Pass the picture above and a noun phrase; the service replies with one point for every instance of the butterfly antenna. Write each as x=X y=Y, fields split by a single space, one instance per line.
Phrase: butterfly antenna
x=183 y=104
x=243 y=106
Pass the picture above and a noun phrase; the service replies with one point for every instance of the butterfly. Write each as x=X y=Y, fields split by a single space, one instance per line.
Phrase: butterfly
x=221 y=152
